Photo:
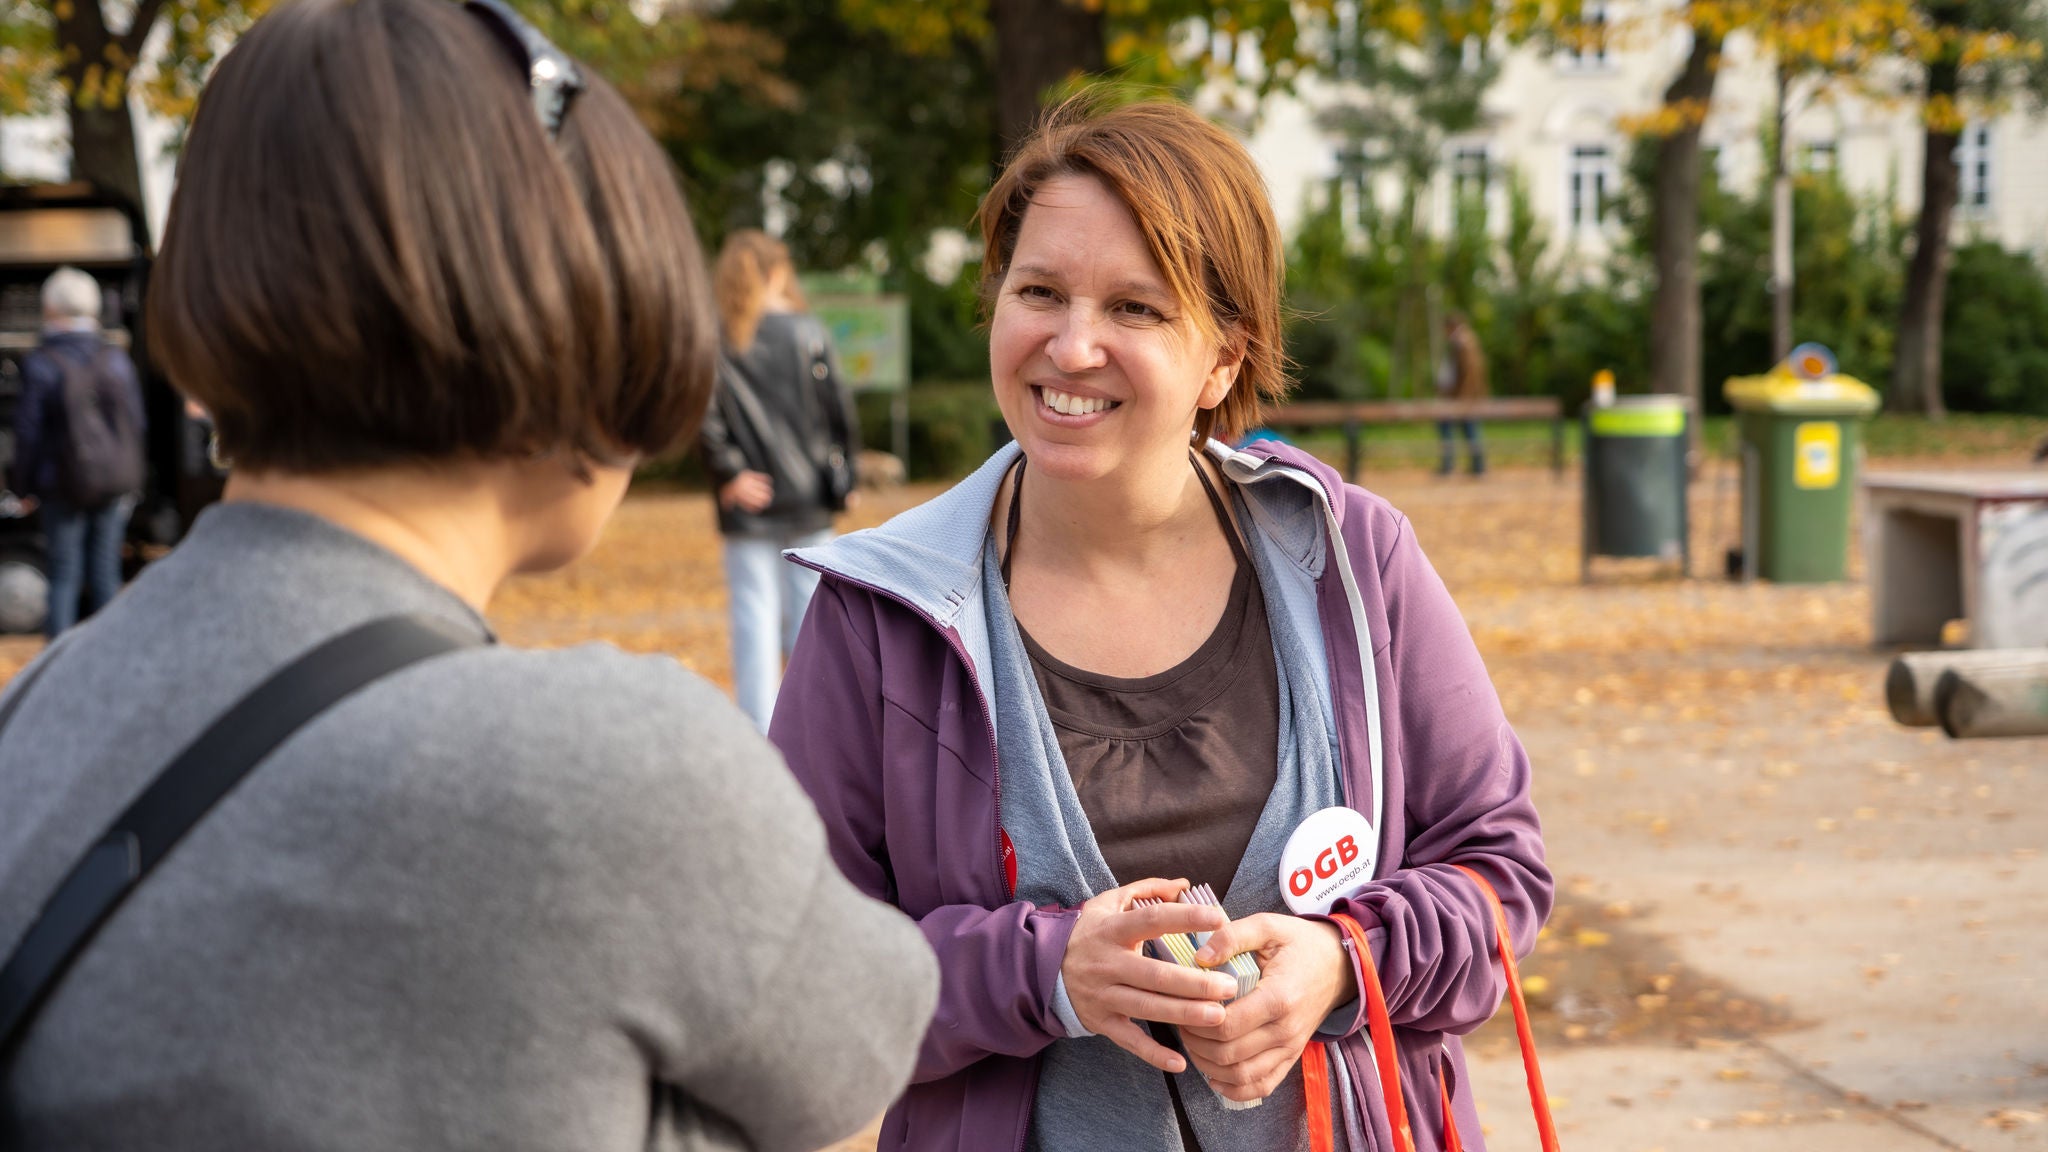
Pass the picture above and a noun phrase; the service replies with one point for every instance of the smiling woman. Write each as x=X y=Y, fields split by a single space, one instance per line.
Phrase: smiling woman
x=1124 y=657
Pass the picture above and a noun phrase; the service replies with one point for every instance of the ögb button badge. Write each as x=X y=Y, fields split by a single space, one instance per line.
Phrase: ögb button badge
x=1330 y=856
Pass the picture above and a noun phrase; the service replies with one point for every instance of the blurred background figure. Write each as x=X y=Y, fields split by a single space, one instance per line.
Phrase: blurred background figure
x=78 y=436
x=780 y=441
x=1461 y=375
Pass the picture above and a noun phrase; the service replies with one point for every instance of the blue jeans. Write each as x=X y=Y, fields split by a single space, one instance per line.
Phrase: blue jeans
x=85 y=555
x=769 y=596
x=1444 y=430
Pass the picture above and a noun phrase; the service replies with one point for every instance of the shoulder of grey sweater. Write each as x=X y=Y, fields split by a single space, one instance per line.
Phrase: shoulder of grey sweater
x=777 y=971
x=634 y=740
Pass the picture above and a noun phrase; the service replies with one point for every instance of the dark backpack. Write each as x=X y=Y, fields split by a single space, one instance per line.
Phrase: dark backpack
x=100 y=457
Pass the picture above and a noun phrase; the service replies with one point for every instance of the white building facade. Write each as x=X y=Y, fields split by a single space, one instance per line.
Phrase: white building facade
x=1561 y=119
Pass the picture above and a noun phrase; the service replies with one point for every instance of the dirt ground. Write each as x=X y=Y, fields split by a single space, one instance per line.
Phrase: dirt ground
x=1784 y=923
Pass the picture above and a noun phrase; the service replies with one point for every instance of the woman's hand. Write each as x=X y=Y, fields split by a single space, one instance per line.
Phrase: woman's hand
x=749 y=491
x=1113 y=984
x=1304 y=975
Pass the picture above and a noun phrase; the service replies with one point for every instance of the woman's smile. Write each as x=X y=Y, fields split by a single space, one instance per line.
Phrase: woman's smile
x=1072 y=409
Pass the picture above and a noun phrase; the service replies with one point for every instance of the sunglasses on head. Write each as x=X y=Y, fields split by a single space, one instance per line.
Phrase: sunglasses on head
x=553 y=77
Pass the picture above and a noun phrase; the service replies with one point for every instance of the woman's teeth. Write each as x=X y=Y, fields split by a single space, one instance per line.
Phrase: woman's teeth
x=1067 y=404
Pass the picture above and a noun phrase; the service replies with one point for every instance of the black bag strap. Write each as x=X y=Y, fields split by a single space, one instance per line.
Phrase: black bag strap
x=182 y=794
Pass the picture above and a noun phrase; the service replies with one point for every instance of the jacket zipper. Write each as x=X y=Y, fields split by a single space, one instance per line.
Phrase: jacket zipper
x=989 y=725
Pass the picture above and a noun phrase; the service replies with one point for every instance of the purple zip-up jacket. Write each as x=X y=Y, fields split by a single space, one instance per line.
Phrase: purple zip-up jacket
x=886 y=723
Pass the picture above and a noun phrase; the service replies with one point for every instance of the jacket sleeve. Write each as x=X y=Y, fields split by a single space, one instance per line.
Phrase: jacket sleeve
x=722 y=455
x=40 y=380
x=998 y=967
x=1467 y=802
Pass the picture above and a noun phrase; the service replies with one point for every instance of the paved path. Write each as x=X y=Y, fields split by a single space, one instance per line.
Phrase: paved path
x=1717 y=761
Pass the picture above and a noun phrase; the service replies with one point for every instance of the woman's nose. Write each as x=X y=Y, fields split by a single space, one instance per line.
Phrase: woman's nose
x=1073 y=346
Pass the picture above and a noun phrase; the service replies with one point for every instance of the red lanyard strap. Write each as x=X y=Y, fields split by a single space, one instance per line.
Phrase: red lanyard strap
x=1381 y=1027
x=1539 y=1100
x=1315 y=1062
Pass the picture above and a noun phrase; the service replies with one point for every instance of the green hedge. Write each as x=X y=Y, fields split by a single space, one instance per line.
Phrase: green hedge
x=952 y=427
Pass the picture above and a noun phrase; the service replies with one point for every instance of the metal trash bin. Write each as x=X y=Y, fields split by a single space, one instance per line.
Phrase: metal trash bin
x=1800 y=426
x=1635 y=481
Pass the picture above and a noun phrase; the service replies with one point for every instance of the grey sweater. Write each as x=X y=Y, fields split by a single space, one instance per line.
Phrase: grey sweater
x=503 y=899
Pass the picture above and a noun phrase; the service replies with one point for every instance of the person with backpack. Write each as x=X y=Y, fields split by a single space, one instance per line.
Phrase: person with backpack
x=78 y=450
x=779 y=441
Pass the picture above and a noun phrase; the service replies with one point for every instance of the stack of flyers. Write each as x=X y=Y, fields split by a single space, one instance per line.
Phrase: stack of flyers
x=1180 y=948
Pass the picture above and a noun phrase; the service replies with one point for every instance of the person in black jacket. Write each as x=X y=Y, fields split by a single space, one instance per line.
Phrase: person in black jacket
x=780 y=441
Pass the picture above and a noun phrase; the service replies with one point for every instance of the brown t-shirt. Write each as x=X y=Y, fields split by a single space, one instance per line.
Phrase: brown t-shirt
x=1174 y=769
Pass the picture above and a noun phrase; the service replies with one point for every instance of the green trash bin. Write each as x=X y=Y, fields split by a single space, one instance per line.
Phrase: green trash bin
x=1635 y=475
x=1800 y=427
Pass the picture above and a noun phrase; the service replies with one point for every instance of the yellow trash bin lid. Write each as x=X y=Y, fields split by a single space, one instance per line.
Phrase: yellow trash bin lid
x=1806 y=384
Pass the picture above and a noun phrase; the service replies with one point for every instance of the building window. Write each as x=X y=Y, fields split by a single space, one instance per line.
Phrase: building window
x=1819 y=157
x=1591 y=177
x=1471 y=178
x=1973 y=158
x=1589 y=54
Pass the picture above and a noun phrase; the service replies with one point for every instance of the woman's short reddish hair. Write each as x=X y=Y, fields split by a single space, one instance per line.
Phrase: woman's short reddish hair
x=1202 y=207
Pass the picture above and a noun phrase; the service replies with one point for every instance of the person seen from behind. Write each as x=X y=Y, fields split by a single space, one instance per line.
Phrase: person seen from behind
x=439 y=292
x=1123 y=656
x=779 y=440
x=78 y=446
x=1461 y=376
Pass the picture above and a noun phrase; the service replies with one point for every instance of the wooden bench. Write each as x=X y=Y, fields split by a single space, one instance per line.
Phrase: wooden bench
x=1353 y=415
x=1957 y=545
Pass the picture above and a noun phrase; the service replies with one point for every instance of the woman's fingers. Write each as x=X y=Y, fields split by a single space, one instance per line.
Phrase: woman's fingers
x=1150 y=888
x=1132 y=1037
x=1120 y=969
x=1141 y=924
x=1213 y=1051
x=1255 y=1078
x=1139 y=1004
x=1254 y=934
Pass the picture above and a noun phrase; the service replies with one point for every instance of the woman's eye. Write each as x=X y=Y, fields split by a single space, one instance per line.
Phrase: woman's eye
x=1140 y=311
x=1037 y=292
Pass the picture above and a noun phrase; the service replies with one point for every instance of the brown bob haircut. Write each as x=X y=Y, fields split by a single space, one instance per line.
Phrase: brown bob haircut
x=376 y=255
x=1202 y=207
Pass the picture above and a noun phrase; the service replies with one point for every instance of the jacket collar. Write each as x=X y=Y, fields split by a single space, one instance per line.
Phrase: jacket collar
x=930 y=556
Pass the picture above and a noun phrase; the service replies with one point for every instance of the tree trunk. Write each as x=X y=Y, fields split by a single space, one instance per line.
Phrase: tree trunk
x=103 y=151
x=1783 y=273
x=95 y=73
x=1916 y=366
x=1675 y=227
x=1039 y=44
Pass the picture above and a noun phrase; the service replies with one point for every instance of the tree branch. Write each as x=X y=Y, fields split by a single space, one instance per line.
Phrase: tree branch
x=146 y=12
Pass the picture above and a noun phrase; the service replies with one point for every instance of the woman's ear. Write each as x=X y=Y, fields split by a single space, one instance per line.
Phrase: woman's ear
x=1223 y=375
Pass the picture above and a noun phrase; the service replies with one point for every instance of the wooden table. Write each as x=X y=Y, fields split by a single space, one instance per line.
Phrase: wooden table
x=1354 y=415
x=1944 y=546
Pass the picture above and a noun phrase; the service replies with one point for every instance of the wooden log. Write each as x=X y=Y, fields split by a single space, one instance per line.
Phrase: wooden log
x=1974 y=703
x=1909 y=684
